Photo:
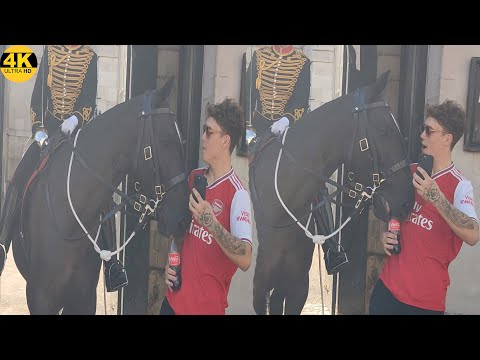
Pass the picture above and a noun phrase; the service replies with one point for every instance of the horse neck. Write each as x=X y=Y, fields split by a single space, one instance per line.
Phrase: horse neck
x=109 y=143
x=318 y=143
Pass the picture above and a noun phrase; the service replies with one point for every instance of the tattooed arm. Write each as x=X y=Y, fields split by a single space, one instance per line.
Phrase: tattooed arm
x=237 y=250
x=465 y=227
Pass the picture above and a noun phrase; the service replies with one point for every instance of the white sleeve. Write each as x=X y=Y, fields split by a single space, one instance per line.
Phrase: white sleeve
x=463 y=199
x=240 y=216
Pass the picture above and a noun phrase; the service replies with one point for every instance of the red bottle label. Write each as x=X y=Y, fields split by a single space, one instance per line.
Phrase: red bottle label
x=393 y=225
x=174 y=259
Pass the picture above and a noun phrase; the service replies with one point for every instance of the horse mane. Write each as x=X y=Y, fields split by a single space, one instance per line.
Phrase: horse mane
x=374 y=91
x=159 y=97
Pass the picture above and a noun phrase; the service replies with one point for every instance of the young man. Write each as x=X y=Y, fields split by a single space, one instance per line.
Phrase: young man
x=443 y=218
x=219 y=239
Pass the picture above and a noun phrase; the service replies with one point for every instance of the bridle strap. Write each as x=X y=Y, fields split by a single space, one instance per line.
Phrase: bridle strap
x=398 y=166
x=175 y=180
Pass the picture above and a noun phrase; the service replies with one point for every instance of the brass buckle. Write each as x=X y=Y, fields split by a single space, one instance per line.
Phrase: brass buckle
x=137 y=206
x=354 y=194
x=143 y=199
x=363 y=144
x=147 y=152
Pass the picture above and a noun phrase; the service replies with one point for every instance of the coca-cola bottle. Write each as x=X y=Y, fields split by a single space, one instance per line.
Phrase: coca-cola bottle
x=394 y=228
x=174 y=263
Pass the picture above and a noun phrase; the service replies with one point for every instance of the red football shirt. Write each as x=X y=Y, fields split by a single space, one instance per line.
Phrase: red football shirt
x=206 y=270
x=418 y=276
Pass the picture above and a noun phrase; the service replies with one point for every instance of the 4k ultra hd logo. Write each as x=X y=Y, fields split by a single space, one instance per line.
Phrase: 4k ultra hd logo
x=18 y=63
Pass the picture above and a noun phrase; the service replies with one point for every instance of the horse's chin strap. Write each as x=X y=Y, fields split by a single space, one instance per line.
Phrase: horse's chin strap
x=317 y=239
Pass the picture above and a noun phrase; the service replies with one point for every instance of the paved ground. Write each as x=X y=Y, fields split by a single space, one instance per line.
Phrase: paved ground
x=13 y=300
x=316 y=298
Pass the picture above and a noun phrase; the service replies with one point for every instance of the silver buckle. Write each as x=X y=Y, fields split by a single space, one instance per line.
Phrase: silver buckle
x=137 y=206
x=143 y=199
x=147 y=152
x=358 y=203
x=159 y=190
x=352 y=194
x=358 y=187
x=363 y=144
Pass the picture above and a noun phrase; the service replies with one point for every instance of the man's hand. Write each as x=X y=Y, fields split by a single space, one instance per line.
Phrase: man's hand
x=170 y=277
x=388 y=240
x=279 y=126
x=428 y=188
x=69 y=125
x=201 y=210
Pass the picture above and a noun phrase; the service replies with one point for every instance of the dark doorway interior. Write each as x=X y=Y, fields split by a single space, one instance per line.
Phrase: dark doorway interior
x=411 y=101
x=190 y=101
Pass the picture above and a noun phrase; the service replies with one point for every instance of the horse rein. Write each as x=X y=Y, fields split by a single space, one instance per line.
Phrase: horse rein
x=317 y=239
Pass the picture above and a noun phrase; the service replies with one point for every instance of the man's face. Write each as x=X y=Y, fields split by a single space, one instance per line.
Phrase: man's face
x=433 y=136
x=214 y=141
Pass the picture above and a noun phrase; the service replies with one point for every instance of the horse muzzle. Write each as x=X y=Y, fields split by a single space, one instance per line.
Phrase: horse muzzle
x=169 y=225
x=385 y=207
x=381 y=207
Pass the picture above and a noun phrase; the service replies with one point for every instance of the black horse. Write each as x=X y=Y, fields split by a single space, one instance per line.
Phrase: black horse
x=138 y=137
x=356 y=129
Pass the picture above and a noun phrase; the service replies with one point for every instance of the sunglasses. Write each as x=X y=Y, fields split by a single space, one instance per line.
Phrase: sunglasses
x=429 y=130
x=209 y=131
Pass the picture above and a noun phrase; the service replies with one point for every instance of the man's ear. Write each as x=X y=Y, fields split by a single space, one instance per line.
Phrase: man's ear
x=449 y=140
x=228 y=140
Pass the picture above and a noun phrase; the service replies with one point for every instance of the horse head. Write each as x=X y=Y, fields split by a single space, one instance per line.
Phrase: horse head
x=378 y=154
x=159 y=170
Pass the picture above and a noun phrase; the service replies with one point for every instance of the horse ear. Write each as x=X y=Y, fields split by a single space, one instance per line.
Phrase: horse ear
x=378 y=87
x=165 y=91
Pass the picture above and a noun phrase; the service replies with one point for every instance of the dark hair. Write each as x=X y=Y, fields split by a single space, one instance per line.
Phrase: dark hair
x=451 y=116
x=229 y=115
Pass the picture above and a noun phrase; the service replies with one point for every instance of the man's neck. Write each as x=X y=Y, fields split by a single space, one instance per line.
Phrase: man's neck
x=217 y=169
x=442 y=162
